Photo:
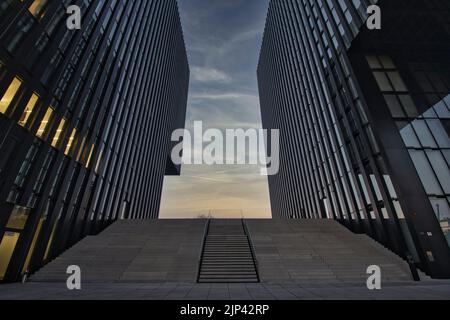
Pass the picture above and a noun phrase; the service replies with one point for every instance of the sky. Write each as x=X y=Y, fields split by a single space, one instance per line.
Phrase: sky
x=223 y=39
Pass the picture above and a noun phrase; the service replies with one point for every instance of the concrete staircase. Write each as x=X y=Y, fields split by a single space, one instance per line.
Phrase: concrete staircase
x=306 y=252
x=227 y=256
x=314 y=252
x=133 y=251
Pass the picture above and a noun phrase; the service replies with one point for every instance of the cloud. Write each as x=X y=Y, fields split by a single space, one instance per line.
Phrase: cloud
x=206 y=74
x=223 y=96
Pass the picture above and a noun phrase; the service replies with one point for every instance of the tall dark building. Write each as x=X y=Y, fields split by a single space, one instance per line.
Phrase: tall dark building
x=364 y=118
x=85 y=120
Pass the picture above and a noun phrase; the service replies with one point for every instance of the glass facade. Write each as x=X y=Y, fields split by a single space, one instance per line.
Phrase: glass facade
x=426 y=135
x=361 y=139
x=85 y=120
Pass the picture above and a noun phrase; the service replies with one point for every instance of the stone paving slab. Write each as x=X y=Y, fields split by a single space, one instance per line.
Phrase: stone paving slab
x=436 y=290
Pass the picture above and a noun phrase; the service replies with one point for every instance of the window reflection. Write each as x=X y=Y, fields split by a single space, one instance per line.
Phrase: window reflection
x=7 y=246
x=9 y=95
x=44 y=123
x=426 y=135
x=70 y=142
x=18 y=218
x=37 y=8
x=28 y=110
x=58 y=133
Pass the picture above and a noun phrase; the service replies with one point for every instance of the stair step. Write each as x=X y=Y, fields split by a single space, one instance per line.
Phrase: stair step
x=227 y=256
x=230 y=260
x=229 y=267
x=228 y=273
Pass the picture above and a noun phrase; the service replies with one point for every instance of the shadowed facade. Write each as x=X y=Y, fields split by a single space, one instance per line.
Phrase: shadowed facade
x=364 y=120
x=85 y=120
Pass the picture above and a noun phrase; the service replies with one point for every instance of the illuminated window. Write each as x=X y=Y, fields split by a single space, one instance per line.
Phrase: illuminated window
x=9 y=95
x=41 y=131
x=7 y=246
x=81 y=151
x=28 y=110
x=88 y=162
x=18 y=218
x=37 y=8
x=58 y=133
x=70 y=142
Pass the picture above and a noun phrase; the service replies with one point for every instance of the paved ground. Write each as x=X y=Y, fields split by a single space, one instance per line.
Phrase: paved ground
x=179 y=291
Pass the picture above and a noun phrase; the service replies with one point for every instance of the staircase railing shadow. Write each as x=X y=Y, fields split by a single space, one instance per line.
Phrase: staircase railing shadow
x=252 y=248
x=200 y=258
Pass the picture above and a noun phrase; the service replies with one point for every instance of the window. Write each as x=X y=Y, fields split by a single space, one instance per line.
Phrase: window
x=373 y=62
x=394 y=106
x=81 y=150
x=88 y=161
x=18 y=218
x=424 y=134
x=409 y=105
x=28 y=110
x=399 y=210
x=58 y=133
x=439 y=133
x=382 y=81
x=440 y=166
x=441 y=208
x=426 y=173
x=9 y=95
x=442 y=111
x=7 y=246
x=384 y=213
x=376 y=187
x=397 y=81
x=409 y=137
x=387 y=62
x=70 y=142
x=44 y=124
x=390 y=186
x=37 y=8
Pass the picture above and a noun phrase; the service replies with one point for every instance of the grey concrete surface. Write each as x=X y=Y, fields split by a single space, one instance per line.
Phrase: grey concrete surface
x=195 y=292
x=134 y=251
x=319 y=251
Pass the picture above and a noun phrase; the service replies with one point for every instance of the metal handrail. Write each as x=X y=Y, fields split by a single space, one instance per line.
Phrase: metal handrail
x=252 y=249
x=200 y=258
